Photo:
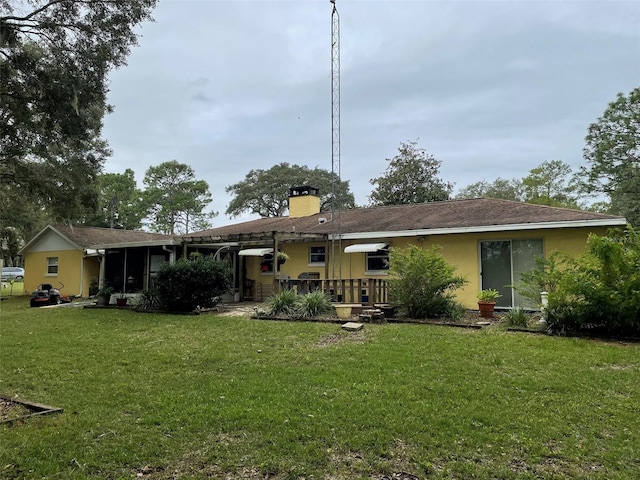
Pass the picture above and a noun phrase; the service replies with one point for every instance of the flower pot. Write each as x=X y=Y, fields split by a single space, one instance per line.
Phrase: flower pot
x=121 y=302
x=343 y=311
x=486 y=309
x=103 y=300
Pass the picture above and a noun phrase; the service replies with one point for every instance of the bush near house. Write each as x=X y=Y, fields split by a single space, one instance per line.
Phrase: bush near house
x=288 y=302
x=422 y=282
x=600 y=290
x=192 y=283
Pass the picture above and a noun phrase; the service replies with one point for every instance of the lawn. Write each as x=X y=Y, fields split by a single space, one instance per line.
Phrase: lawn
x=165 y=396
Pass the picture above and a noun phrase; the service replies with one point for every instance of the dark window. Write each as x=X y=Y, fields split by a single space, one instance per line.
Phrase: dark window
x=316 y=255
x=377 y=261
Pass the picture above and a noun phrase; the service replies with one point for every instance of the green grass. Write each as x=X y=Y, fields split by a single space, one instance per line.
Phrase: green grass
x=167 y=396
x=11 y=288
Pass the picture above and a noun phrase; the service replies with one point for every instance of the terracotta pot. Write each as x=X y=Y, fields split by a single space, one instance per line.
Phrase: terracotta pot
x=121 y=302
x=486 y=309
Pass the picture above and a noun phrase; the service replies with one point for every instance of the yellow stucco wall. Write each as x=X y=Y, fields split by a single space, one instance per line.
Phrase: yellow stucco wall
x=461 y=250
x=72 y=271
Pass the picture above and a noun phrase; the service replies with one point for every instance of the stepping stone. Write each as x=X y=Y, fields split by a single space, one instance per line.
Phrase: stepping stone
x=352 y=326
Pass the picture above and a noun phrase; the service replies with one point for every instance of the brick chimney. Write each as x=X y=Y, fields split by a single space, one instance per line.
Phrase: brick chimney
x=303 y=201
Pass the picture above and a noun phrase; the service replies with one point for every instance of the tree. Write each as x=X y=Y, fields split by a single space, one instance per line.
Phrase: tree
x=55 y=61
x=411 y=177
x=21 y=218
x=175 y=199
x=550 y=183
x=500 y=188
x=121 y=204
x=612 y=152
x=266 y=192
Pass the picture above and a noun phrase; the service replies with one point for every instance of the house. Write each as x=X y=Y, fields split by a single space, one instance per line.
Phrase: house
x=66 y=255
x=490 y=242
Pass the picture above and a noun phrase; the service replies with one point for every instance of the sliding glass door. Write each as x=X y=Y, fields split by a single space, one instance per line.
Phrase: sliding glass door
x=502 y=264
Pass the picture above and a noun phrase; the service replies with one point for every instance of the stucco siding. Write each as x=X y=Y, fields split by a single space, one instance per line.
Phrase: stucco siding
x=70 y=269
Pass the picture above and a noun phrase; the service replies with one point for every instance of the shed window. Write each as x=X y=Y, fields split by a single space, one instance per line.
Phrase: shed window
x=52 y=265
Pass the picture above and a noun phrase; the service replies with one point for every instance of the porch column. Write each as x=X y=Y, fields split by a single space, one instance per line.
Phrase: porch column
x=276 y=266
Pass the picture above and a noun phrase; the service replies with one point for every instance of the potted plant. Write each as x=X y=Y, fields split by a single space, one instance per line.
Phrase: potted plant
x=282 y=257
x=104 y=295
x=487 y=302
x=121 y=301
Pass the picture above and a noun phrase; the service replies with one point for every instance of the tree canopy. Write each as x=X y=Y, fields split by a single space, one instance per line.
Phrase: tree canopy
x=120 y=202
x=550 y=183
x=175 y=199
x=612 y=152
x=411 y=177
x=501 y=188
x=55 y=59
x=266 y=192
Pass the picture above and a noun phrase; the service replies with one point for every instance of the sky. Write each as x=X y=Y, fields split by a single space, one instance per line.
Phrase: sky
x=490 y=89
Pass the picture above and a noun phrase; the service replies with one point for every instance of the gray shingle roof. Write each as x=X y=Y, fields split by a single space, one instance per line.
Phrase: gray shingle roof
x=86 y=237
x=479 y=212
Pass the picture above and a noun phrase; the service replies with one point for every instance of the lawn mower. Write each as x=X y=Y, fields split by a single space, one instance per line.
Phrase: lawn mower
x=46 y=294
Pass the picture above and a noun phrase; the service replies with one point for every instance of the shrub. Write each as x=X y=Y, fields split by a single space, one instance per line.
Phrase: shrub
x=516 y=317
x=422 y=282
x=601 y=289
x=187 y=284
x=314 y=304
x=544 y=278
x=455 y=311
x=148 y=300
x=285 y=302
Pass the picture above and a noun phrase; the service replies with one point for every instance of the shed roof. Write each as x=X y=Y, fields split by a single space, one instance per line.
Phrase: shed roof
x=96 y=237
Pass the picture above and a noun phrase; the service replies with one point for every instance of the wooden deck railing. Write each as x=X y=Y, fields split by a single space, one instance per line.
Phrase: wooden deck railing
x=367 y=291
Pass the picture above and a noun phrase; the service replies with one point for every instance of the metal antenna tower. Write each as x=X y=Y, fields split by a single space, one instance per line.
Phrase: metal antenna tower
x=335 y=143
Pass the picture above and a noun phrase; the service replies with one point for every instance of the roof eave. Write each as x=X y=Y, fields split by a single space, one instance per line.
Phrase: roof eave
x=609 y=222
x=143 y=243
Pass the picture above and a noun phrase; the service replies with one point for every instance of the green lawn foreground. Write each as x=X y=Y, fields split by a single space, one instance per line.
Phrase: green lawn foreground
x=165 y=396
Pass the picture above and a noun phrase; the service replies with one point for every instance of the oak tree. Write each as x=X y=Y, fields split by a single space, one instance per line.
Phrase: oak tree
x=55 y=57
x=266 y=192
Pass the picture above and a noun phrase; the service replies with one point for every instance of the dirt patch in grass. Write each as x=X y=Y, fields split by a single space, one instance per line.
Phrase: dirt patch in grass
x=336 y=338
x=10 y=411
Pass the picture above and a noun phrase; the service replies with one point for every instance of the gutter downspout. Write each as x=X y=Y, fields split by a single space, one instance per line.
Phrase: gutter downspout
x=172 y=253
x=102 y=259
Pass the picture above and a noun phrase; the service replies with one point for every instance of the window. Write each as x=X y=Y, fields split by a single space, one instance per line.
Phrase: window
x=52 y=265
x=266 y=266
x=316 y=254
x=502 y=264
x=378 y=261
